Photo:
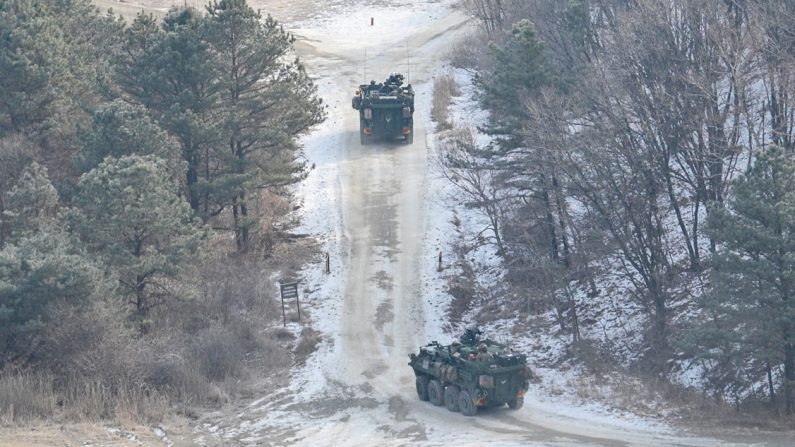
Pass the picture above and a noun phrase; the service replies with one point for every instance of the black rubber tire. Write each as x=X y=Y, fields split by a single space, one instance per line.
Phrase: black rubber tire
x=436 y=392
x=409 y=139
x=515 y=404
x=422 y=388
x=451 y=398
x=466 y=405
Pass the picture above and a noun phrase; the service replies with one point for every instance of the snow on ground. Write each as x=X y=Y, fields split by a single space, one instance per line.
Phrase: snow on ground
x=353 y=21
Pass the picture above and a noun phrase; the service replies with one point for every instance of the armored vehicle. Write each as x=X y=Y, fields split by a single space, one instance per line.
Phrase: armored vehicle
x=385 y=110
x=470 y=373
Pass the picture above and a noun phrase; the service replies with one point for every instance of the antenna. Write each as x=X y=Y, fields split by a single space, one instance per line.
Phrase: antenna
x=408 y=64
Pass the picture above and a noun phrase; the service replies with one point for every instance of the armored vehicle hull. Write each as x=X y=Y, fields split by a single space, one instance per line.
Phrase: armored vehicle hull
x=385 y=111
x=465 y=377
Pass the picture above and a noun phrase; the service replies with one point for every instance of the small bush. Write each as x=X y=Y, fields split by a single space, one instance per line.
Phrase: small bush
x=181 y=380
x=444 y=88
x=94 y=341
x=310 y=338
x=274 y=355
x=218 y=354
x=283 y=334
x=467 y=53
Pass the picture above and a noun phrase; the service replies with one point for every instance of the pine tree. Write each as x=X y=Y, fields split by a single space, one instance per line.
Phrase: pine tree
x=31 y=60
x=750 y=312
x=519 y=72
x=32 y=202
x=129 y=214
x=266 y=102
x=171 y=72
x=118 y=129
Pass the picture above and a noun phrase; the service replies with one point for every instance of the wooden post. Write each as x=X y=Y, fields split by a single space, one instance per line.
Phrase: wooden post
x=284 y=316
x=372 y=21
x=439 y=268
x=290 y=290
x=328 y=263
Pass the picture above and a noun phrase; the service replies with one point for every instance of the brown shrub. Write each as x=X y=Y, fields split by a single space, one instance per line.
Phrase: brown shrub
x=283 y=334
x=307 y=344
x=217 y=353
x=468 y=53
x=94 y=340
x=444 y=88
x=274 y=355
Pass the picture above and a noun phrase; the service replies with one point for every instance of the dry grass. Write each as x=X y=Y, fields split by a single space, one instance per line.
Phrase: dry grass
x=25 y=397
x=30 y=397
x=444 y=89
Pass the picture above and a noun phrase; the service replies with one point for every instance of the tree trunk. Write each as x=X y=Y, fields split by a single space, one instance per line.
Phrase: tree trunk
x=789 y=375
x=550 y=220
x=673 y=199
x=192 y=178
x=236 y=224
x=140 y=298
x=562 y=221
x=575 y=319
x=245 y=222
x=2 y=220
x=770 y=382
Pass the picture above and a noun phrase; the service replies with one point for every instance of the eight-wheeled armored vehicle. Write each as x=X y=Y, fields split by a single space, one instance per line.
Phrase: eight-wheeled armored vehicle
x=385 y=110
x=470 y=373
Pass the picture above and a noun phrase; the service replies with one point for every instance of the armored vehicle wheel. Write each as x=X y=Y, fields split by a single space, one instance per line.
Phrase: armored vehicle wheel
x=435 y=392
x=515 y=404
x=422 y=388
x=409 y=139
x=466 y=405
x=451 y=398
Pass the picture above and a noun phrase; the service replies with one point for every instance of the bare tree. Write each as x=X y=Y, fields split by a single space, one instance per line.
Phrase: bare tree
x=475 y=178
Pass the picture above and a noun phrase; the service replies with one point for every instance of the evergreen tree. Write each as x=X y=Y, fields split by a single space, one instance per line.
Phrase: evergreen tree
x=129 y=213
x=31 y=60
x=171 y=72
x=519 y=72
x=519 y=158
x=265 y=103
x=36 y=271
x=750 y=327
x=118 y=129
x=32 y=202
x=93 y=41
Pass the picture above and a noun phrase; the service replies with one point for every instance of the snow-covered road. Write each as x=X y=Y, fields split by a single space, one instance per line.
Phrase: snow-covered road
x=377 y=211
